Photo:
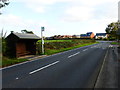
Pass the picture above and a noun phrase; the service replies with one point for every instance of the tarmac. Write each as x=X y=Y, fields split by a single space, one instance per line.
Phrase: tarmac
x=109 y=73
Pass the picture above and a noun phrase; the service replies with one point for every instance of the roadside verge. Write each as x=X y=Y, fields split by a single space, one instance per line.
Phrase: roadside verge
x=108 y=76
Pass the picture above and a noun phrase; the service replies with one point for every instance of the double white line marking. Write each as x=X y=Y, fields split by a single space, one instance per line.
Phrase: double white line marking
x=44 y=67
x=73 y=55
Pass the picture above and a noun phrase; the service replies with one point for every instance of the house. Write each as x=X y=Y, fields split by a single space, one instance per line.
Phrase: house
x=101 y=36
x=21 y=44
x=88 y=35
x=76 y=36
x=61 y=36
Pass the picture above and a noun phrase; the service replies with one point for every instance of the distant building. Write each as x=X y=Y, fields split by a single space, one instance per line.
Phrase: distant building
x=61 y=36
x=88 y=35
x=76 y=36
x=101 y=36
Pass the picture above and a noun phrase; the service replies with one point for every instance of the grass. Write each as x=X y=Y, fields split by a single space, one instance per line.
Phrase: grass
x=46 y=41
x=115 y=43
x=7 y=61
x=53 y=51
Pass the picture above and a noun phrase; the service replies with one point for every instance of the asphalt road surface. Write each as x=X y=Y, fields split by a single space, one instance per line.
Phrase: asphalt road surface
x=76 y=68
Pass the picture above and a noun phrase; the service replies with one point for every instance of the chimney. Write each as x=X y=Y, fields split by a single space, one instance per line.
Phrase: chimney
x=12 y=31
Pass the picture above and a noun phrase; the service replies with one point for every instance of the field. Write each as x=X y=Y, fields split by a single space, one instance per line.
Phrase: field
x=55 y=46
x=46 y=41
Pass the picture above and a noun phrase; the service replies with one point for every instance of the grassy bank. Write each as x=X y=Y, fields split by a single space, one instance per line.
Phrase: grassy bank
x=53 y=51
x=115 y=43
x=56 y=46
x=47 y=41
x=7 y=61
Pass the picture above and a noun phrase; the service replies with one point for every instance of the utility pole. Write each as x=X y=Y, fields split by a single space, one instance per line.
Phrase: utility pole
x=119 y=14
x=42 y=29
x=118 y=21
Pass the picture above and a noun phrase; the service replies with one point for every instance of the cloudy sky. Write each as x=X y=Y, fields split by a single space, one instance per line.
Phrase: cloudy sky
x=59 y=17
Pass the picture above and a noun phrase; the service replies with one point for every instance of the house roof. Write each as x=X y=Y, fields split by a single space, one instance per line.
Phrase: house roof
x=26 y=36
x=87 y=34
x=83 y=35
x=100 y=34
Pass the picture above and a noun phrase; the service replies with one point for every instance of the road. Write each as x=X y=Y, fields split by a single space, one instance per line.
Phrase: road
x=76 y=68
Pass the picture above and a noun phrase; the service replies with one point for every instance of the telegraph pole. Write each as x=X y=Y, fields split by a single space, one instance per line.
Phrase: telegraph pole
x=119 y=14
x=118 y=21
x=42 y=29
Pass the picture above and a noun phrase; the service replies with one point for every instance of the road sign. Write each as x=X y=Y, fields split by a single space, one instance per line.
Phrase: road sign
x=42 y=28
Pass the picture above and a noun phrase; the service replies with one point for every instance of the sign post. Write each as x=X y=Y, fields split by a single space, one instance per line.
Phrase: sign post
x=118 y=22
x=119 y=17
x=42 y=29
x=119 y=11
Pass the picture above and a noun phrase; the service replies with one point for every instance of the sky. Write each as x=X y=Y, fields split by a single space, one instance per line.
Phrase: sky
x=59 y=17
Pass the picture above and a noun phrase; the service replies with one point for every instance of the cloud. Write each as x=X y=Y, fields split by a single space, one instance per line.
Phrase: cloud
x=95 y=13
x=82 y=10
x=42 y=6
x=15 y=23
x=78 y=13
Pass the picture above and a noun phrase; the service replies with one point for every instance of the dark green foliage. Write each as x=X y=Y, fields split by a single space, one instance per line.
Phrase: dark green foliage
x=112 y=30
x=3 y=3
x=4 y=47
x=26 y=31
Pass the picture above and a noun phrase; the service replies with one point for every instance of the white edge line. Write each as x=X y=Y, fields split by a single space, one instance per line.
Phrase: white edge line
x=44 y=67
x=73 y=55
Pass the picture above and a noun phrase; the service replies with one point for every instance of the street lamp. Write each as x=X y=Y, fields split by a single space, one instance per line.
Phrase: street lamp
x=42 y=29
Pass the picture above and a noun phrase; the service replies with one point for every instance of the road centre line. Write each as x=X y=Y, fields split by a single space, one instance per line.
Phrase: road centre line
x=73 y=55
x=85 y=49
x=44 y=67
x=92 y=47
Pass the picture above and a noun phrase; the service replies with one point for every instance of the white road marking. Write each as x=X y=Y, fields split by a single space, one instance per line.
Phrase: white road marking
x=73 y=55
x=44 y=67
x=85 y=49
x=95 y=46
x=110 y=46
x=17 y=78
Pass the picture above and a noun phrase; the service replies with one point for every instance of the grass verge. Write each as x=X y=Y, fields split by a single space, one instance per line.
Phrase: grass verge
x=115 y=43
x=53 y=51
x=7 y=61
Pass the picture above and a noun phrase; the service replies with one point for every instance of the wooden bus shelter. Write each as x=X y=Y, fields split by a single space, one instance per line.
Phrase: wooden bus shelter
x=21 y=44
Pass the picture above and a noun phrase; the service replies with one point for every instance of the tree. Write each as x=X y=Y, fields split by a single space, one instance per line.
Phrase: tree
x=3 y=44
x=26 y=31
x=3 y=3
x=112 y=30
